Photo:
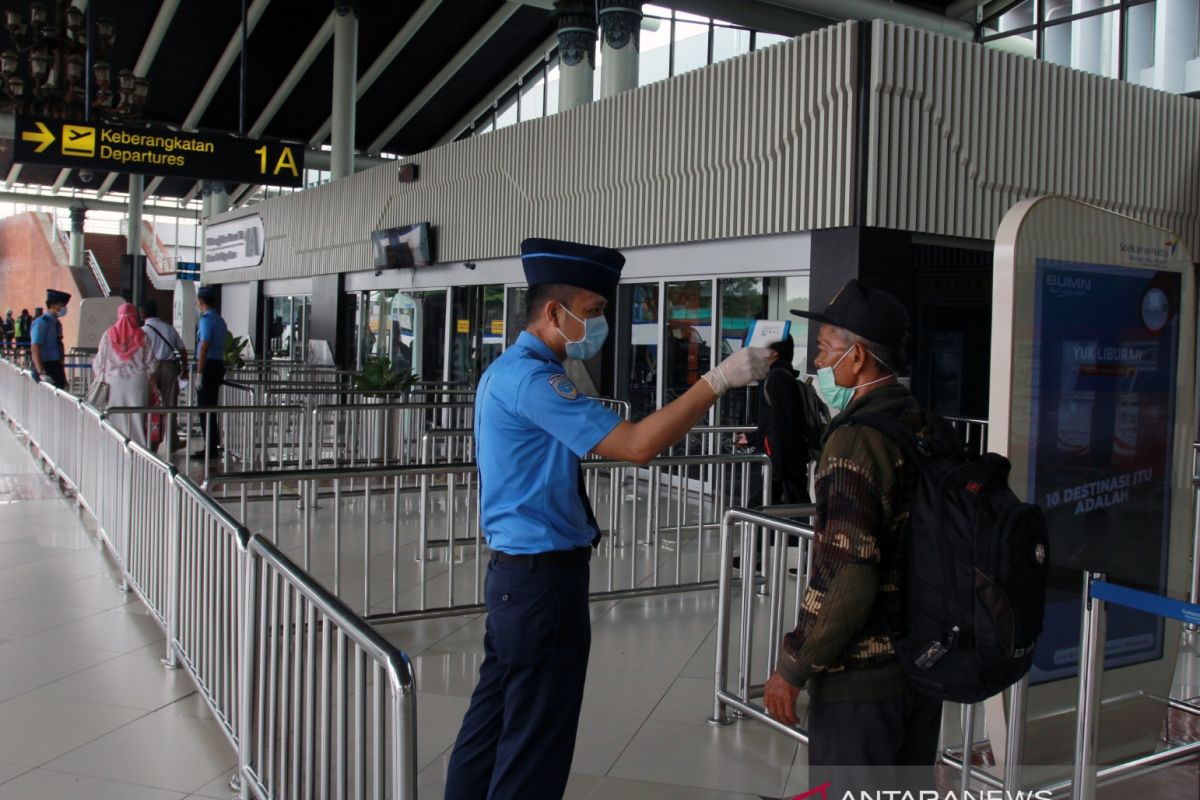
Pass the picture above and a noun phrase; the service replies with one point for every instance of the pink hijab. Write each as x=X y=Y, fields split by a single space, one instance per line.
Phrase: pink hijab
x=126 y=336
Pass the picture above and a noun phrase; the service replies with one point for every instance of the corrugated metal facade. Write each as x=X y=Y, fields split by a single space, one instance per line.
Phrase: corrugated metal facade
x=760 y=144
x=959 y=133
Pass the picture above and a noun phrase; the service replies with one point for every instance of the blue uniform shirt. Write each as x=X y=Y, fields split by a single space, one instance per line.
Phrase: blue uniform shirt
x=532 y=426
x=46 y=332
x=212 y=330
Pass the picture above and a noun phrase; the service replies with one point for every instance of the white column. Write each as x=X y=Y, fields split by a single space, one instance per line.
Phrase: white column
x=576 y=52
x=133 y=236
x=1139 y=45
x=219 y=202
x=620 y=21
x=345 y=76
x=1093 y=42
x=1174 y=42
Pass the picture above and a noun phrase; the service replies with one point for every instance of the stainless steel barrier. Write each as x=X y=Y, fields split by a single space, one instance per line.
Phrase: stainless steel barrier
x=756 y=643
x=379 y=434
x=321 y=693
x=398 y=568
x=222 y=600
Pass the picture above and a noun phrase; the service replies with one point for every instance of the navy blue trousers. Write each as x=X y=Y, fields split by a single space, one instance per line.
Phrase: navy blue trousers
x=518 y=736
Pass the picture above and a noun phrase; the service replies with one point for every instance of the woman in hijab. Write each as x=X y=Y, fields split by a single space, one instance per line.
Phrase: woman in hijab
x=125 y=361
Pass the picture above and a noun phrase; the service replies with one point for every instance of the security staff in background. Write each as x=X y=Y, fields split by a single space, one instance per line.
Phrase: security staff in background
x=46 y=340
x=532 y=425
x=210 y=366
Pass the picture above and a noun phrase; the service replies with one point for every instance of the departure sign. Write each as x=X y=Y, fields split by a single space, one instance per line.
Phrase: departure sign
x=156 y=150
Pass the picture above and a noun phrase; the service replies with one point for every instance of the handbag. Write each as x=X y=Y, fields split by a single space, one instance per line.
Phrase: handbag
x=97 y=396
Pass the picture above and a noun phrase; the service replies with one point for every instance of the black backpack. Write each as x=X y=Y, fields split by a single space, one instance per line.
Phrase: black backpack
x=815 y=418
x=976 y=562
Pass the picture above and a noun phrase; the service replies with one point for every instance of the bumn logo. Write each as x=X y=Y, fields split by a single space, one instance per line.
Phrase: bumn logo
x=1069 y=282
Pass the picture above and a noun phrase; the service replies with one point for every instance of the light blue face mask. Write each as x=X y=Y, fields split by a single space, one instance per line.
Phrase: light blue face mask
x=838 y=397
x=595 y=332
x=62 y=312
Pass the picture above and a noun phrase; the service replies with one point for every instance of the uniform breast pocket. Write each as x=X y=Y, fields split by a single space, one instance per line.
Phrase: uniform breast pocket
x=523 y=614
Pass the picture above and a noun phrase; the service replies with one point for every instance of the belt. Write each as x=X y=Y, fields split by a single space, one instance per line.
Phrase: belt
x=555 y=558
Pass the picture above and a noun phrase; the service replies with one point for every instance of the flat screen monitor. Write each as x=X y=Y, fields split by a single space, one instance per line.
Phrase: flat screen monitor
x=408 y=246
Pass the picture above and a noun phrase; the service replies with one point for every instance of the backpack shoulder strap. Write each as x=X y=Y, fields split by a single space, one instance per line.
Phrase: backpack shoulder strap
x=911 y=445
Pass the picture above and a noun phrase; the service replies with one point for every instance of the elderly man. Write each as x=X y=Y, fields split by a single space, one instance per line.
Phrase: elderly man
x=865 y=722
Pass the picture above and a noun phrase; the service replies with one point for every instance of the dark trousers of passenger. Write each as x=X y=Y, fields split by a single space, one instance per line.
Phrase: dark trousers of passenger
x=871 y=746
x=56 y=373
x=166 y=383
x=518 y=736
x=207 y=396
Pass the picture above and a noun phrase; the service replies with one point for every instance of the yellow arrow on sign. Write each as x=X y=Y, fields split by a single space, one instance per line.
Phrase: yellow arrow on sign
x=42 y=134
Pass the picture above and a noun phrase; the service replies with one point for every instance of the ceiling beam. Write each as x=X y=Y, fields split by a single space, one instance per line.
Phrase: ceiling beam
x=382 y=62
x=879 y=9
x=481 y=37
x=94 y=205
x=217 y=77
x=510 y=80
x=294 y=76
x=13 y=174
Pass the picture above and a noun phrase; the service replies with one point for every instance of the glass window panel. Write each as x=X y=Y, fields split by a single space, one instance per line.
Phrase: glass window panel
x=691 y=47
x=596 y=72
x=1139 y=45
x=729 y=42
x=763 y=39
x=506 y=114
x=654 y=56
x=651 y=10
x=688 y=17
x=552 y=87
x=1093 y=43
x=688 y=333
x=533 y=95
x=1018 y=16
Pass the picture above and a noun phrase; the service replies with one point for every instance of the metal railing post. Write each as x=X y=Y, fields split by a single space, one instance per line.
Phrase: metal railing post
x=246 y=672
x=1194 y=592
x=175 y=557
x=1091 y=671
x=1018 y=702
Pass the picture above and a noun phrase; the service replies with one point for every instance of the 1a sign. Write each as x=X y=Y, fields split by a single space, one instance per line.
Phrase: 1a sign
x=157 y=150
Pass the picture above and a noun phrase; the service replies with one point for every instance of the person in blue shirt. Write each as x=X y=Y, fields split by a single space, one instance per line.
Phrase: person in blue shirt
x=210 y=366
x=532 y=426
x=46 y=340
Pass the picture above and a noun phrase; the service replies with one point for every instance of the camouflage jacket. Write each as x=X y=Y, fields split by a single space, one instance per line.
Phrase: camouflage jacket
x=842 y=644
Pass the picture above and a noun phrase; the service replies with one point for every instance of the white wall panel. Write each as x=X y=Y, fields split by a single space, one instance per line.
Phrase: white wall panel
x=756 y=145
x=959 y=133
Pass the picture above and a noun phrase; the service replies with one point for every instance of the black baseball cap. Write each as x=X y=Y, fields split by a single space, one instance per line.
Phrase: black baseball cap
x=870 y=313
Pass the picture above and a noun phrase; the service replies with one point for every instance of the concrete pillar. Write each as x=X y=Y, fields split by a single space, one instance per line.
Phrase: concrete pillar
x=576 y=52
x=220 y=202
x=77 y=217
x=345 y=77
x=205 y=200
x=133 y=236
x=620 y=21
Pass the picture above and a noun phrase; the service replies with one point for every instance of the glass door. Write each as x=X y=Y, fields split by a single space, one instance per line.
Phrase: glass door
x=477 y=330
x=688 y=336
x=637 y=347
x=287 y=323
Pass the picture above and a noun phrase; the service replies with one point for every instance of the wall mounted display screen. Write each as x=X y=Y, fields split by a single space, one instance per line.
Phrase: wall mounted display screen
x=409 y=246
x=1100 y=451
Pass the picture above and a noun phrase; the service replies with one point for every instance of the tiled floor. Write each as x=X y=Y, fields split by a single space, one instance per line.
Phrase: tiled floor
x=87 y=712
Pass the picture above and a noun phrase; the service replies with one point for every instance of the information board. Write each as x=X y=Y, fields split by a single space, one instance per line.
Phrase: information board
x=1106 y=347
x=157 y=150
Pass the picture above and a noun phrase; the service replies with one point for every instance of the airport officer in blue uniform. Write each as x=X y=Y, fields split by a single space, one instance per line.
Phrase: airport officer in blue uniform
x=46 y=340
x=532 y=426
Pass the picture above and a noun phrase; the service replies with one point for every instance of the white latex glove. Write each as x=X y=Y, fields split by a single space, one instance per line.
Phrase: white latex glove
x=743 y=368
